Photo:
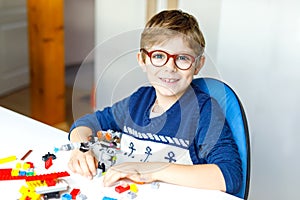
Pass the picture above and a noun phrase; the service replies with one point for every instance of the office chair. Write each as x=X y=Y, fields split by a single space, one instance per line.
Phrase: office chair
x=236 y=118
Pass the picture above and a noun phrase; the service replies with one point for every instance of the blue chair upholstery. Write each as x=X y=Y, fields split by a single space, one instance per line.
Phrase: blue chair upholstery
x=235 y=115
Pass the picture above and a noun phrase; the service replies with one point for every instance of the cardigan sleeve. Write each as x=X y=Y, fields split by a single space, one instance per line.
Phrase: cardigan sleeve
x=215 y=145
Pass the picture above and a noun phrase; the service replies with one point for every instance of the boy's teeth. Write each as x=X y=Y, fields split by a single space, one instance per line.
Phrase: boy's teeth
x=169 y=80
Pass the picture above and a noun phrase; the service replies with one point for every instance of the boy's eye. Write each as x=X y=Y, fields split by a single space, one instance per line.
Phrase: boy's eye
x=158 y=56
x=183 y=58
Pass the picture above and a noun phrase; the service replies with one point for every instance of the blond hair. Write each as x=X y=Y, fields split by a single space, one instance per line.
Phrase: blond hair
x=171 y=23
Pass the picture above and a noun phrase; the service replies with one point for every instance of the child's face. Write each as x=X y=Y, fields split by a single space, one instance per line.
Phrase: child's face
x=168 y=80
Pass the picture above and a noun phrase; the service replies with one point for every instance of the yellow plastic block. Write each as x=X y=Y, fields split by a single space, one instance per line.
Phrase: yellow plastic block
x=133 y=188
x=26 y=166
x=28 y=192
x=23 y=190
x=37 y=183
x=35 y=196
x=7 y=159
x=18 y=165
x=15 y=172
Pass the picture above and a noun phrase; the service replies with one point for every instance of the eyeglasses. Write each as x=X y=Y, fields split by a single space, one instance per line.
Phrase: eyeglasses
x=159 y=58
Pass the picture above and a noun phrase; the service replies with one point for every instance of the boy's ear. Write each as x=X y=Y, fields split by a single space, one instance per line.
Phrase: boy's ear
x=141 y=61
x=199 y=65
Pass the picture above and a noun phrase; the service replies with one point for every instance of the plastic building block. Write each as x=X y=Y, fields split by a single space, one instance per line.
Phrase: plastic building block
x=28 y=193
x=6 y=171
x=18 y=165
x=131 y=195
x=31 y=164
x=22 y=173
x=47 y=176
x=66 y=196
x=30 y=172
x=40 y=187
x=26 y=155
x=7 y=159
x=74 y=193
x=108 y=198
x=34 y=184
x=48 y=155
x=15 y=172
x=60 y=185
x=51 y=195
x=26 y=166
x=122 y=188
x=101 y=166
x=155 y=185
x=50 y=182
x=6 y=175
x=48 y=162
x=133 y=188
x=81 y=197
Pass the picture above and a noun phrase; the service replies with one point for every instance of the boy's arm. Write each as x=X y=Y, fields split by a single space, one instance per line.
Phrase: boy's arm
x=204 y=176
x=80 y=134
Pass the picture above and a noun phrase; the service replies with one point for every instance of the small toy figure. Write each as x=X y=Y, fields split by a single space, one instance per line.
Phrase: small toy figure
x=105 y=147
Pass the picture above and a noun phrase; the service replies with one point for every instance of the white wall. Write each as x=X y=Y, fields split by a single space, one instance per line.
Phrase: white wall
x=14 y=59
x=118 y=27
x=79 y=23
x=208 y=15
x=259 y=48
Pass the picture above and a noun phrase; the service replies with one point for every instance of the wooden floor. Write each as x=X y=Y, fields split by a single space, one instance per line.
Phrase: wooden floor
x=19 y=101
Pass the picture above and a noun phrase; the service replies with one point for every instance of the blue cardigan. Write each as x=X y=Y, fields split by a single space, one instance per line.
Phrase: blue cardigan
x=195 y=117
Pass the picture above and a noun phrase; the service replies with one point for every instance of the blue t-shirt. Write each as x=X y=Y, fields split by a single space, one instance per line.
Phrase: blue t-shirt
x=196 y=120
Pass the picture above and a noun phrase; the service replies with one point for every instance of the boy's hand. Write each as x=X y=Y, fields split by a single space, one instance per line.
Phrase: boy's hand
x=83 y=163
x=137 y=172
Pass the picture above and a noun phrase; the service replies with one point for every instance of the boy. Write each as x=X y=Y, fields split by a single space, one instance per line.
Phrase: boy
x=171 y=131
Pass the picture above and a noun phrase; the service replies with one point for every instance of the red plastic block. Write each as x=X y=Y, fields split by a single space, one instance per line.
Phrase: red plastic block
x=47 y=176
x=121 y=188
x=74 y=193
x=6 y=171
x=5 y=174
x=50 y=182
x=31 y=164
x=48 y=163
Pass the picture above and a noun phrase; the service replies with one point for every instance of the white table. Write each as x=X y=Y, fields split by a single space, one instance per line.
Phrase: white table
x=20 y=134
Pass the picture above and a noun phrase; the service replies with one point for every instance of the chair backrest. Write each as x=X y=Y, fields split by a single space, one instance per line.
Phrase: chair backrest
x=236 y=118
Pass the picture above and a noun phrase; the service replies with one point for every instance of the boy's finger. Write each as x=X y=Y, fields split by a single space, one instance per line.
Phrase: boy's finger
x=70 y=165
x=112 y=176
x=91 y=165
x=85 y=169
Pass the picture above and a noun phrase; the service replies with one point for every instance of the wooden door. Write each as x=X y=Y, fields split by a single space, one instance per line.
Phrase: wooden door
x=47 y=66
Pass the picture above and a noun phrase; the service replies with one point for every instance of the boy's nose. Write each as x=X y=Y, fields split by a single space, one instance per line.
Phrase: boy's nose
x=171 y=64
